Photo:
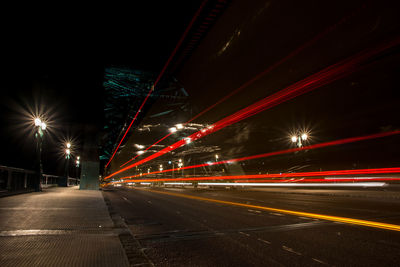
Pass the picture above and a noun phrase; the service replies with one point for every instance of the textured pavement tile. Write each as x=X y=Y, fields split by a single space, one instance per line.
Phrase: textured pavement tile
x=58 y=227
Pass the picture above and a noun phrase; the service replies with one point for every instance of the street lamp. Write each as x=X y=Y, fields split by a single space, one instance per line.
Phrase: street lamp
x=299 y=139
x=67 y=157
x=40 y=128
x=180 y=164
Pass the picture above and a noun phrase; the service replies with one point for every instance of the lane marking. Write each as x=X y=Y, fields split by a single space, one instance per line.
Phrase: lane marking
x=256 y=211
x=290 y=250
x=244 y=234
x=319 y=261
x=373 y=224
x=304 y=218
x=265 y=241
x=276 y=214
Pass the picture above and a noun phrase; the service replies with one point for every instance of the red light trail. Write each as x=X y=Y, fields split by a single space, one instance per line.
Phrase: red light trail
x=277 y=175
x=275 y=153
x=321 y=78
x=160 y=75
x=261 y=74
x=146 y=149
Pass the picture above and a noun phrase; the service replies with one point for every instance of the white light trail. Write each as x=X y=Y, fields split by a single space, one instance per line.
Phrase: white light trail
x=370 y=184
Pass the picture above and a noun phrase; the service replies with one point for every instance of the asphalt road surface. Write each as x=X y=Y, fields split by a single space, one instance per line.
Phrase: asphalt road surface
x=177 y=230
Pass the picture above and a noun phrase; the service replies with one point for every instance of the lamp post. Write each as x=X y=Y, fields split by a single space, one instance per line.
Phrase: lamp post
x=299 y=139
x=78 y=158
x=67 y=157
x=180 y=165
x=40 y=128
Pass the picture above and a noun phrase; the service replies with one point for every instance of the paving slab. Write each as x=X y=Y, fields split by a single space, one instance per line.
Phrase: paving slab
x=59 y=227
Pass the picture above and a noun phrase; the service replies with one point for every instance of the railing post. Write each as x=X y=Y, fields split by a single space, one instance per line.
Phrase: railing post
x=9 y=179
x=25 y=180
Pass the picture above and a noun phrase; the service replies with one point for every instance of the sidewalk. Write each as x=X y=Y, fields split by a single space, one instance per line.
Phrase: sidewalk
x=58 y=227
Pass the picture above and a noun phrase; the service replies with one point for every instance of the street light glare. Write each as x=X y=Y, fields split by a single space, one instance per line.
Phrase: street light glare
x=44 y=126
x=173 y=129
x=304 y=136
x=38 y=122
x=179 y=126
x=68 y=145
x=294 y=139
x=139 y=146
x=68 y=151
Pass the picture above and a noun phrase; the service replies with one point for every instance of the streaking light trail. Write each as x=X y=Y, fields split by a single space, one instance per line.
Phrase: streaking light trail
x=277 y=175
x=371 y=184
x=275 y=153
x=366 y=223
x=261 y=74
x=306 y=85
x=146 y=149
x=160 y=75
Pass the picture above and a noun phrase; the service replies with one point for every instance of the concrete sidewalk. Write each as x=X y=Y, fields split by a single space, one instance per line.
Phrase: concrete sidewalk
x=58 y=227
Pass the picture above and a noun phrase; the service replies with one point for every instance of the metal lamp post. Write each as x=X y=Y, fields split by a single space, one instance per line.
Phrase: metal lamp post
x=67 y=157
x=299 y=139
x=40 y=128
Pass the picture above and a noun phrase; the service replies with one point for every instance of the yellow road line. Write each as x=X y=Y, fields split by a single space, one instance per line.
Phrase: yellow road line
x=380 y=225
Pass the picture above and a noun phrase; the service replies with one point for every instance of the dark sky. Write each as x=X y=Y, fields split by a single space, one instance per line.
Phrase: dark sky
x=304 y=37
x=53 y=57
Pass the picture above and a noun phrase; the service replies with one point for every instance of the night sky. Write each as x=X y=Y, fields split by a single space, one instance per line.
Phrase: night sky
x=55 y=60
x=54 y=57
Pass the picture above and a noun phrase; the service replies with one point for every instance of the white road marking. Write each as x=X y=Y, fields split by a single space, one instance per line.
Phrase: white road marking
x=291 y=250
x=244 y=234
x=276 y=214
x=319 y=261
x=265 y=241
x=256 y=211
x=305 y=218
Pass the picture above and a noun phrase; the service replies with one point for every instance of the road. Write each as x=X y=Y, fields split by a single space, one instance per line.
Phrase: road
x=176 y=230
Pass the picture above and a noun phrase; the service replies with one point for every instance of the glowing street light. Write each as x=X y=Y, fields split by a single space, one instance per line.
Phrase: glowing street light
x=173 y=129
x=298 y=138
x=38 y=122
x=40 y=128
x=179 y=126
x=139 y=146
x=67 y=157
